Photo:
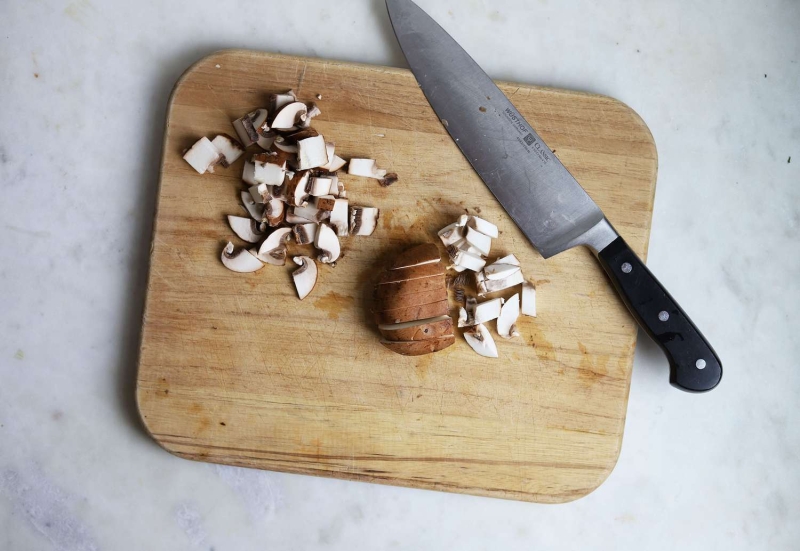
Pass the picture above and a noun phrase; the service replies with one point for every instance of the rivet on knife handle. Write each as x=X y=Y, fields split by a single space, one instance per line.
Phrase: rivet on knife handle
x=694 y=366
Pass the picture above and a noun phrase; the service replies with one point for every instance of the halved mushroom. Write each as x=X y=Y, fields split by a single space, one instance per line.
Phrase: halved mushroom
x=418 y=348
x=247 y=229
x=427 y=253
x=255 y=210
x=311 y=153
x=486 y=228
x=328 y=244
x=274 y=210
x=363 y=220
x=276 y=101
x=273 y=249
x=230 y=149
x=305 y=277
x=305 y=233
x=241 y=261
x=312 y=214
x=365 y=167
x=451 y=234
x=493 y=285
x=507 y=321
x=289 y=116
x=528 y=299
x=481 y=341
x=417 y=330
x=479 y=240
x=339 y=219
x=202 y=156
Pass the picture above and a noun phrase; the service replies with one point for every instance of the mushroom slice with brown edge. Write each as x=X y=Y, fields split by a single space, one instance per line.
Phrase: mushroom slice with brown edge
x=334 y=164
x=528 y=299
x=313 y=111
x=419 y=348
x=451 y=234
x=289 y=116
x=241 y=261
x=292 y=218
x=395 y=300
x=339 y=218
x=510 y=259
x=274 y=211
x=305 y=234
x=273 y=249
x=426 y=253
x=465 y=259
x=202 y=156
x=365 y=167
x=230 y=149
x=481 y=341
x=305 y=277
x=268 y=169
x=493 y=285
x=266 y=136
x=328 y=244
x=298 y=189
x=276 y=101
x=247 y=229
x=312 y=214
x=246 y=126
x=507 y=320
x=363 y=220
x=418 y=330
x=255 y=210
x=479 y=240
x=483 y=226
x=386 y=293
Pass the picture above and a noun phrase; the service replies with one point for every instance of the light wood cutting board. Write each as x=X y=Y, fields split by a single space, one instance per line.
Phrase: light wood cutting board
x=234 y=369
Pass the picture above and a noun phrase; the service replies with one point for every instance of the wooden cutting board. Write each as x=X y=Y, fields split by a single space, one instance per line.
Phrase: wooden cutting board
x=235 y=369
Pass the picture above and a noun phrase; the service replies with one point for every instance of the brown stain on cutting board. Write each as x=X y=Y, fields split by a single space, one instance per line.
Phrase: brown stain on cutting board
x=305 y=387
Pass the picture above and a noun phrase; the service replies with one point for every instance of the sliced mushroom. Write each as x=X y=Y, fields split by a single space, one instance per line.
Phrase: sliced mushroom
x=486 y=228
x=427 y=253
x=276 y=101
x=269 y=169
x=274 y=210
x=451 y=234
x=298 y=189
x=312 y=214
x=246 y=127
x=418 y=348
x=416 y=272
x=414 y=312
x=493 y=285
x=311 y=153
x=365 y=167
x=328 y=244
x=320 y=185
x=395 y=301
x=417 y=330
x=266 y=137
x=488 y=310
x=334 y=164
x=500 y=271
x=465 y=259
x=528 y=299
x=339 y=218
x=255 y=210
x=230 y=149
x=259 y=193
x=247 y=229
x=292 y=218
x=507 y=321
x=202 y=156
x=363 y=220
x=481 y=341
x=249 y=173
x=241 y=261
x=325 y=202
x=273 y=249
x=305 y=234
x=288 y=116
x=479 y=240
x=305 y=277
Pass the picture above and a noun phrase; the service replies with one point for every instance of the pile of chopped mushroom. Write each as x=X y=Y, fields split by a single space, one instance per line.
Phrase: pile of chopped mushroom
x=469 y=242
x=293 y=189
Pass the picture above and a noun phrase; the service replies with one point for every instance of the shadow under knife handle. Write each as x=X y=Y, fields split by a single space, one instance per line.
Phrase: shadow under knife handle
x=694 y=366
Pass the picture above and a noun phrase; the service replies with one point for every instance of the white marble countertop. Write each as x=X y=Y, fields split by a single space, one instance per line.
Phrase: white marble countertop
x=83 y=91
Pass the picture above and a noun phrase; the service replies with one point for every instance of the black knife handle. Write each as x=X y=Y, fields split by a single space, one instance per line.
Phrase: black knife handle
x=694 y=366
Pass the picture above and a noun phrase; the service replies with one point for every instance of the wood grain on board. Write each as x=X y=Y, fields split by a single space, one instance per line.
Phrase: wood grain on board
x=234 y=369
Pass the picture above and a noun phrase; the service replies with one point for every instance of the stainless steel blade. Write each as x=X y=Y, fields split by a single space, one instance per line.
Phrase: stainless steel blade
x=538 y=192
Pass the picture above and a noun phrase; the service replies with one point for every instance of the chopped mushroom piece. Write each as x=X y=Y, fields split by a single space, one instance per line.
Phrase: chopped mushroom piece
x=247 y=229
x=230 y=149
x=202 y=156
x=311 y=153
x=255 y=210
x=312 y=214
x=305 y=233
x=528 y=299
x=510 y=259
x=259 y=193
x=488 y=310
x=289 y=116
x=249 y=173
x=418 y=348
x=363 y=220
x=451 y=234
x=500 y=271
x=276 y=101
x=486 y=228
x=417 y=330
x=339 y=218
x=463 y=258
x=335 y=164
x=274 y=210
x=507 y=321
x=305 y=277
x=268 y=169
x=365 y=167
x=325 y=202
x=479 y=240
x=328 y=244
x=321 y=185
x=292 y=218
x=481 y=341
x=246 y=127
x=493 y=285
x=313 y=111
x=273 y=249
x=427 y=253
x=242 y=261
x=298 y=189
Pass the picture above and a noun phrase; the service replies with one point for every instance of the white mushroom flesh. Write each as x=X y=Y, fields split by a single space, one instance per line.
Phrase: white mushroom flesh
x=507 y=321
x=292 y=218
x=467 y=260
x=365 y=167
x=500 y=271
x=255 y=210
x=488 y=310
x=479 y=240
x=339 y=218
x=289 y=116
x=268 y=173
x=241 y=261
x=493 y=285
x=311 y=213
x=320 y=185
x=334 y=165
x=481 y=341
x=249 y=173
x=311 y=153
x=273 y=249
x=231 y=149
x=279 y=100
x=486 y=228
x=301 y=190
x=259 y=193
x=246 y=228
x=202 y=156
x=274 y=211
x=327 y=243
x=510 y=259
x=363 y=220
x=528 y=299
x=305 y=233
x=305 y=277
x=241 y=131
x=451 y=234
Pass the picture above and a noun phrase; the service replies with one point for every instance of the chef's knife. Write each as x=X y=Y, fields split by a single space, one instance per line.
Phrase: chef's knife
x=538 y=192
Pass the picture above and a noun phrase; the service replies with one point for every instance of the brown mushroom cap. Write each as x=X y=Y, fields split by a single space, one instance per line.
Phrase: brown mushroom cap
x=414 y=272
x=418 y=348
x=424 y=330
x=427 y=253
x=392 y=291
x=394 y=301
x=410 y=313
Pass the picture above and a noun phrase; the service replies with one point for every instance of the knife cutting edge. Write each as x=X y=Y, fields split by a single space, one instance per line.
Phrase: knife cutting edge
x=538 y=192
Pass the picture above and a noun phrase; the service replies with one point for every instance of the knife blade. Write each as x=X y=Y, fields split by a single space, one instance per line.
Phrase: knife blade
x=547 y=203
